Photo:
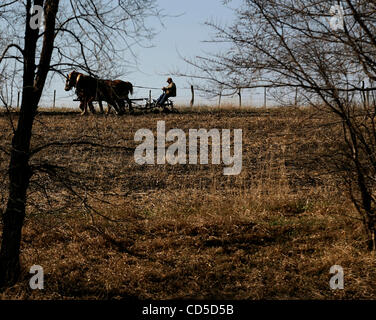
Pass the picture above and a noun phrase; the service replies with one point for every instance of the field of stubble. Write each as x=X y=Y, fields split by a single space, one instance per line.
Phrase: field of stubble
x=103 y=227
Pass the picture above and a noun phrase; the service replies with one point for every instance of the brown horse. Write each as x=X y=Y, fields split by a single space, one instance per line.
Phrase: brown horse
x=89 y=89
x=119 y=91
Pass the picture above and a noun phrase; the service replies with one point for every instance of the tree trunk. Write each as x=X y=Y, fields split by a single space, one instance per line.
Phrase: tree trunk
x=13 y=218
x=19 y=178
x=19 y=168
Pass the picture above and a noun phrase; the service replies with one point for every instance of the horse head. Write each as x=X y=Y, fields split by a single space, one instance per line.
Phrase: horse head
x=71 y=80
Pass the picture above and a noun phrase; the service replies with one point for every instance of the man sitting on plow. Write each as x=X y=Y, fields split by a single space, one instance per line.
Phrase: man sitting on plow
x=169 y=91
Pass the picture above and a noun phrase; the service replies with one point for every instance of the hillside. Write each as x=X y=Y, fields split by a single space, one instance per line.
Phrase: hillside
x=104 y=227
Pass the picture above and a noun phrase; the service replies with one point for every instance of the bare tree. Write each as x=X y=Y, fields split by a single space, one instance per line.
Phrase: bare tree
x=90 y=35
x=327 y=51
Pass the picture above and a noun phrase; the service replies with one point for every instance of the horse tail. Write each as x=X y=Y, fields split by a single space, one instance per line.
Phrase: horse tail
x=130 y=88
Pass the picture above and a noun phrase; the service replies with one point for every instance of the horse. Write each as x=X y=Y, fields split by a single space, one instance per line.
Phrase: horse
x=89 y=89
x=119 y=91
x=81 y=98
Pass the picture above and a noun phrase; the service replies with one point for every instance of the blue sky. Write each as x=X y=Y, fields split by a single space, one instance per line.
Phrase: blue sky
x=183 y=34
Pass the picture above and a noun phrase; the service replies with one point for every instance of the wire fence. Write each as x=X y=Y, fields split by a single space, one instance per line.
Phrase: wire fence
x=192 y=96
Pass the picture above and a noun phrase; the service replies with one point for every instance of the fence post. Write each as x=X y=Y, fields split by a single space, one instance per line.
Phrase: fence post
x=372 y=92
x=193 y=96
x=264 y=97
x=220 y=98
x=364 y=94
x=296 y=96
x=18 y=99
x=54 y=99
x=240 y=97
x=149 y=97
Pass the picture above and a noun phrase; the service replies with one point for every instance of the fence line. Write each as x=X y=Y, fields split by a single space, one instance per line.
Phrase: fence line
x=241 y=93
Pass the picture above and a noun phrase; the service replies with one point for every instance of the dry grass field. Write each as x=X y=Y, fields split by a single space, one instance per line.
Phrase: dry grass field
x=118 y=230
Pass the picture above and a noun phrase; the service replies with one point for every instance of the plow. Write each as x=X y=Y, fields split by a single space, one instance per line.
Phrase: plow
x=147 y=104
